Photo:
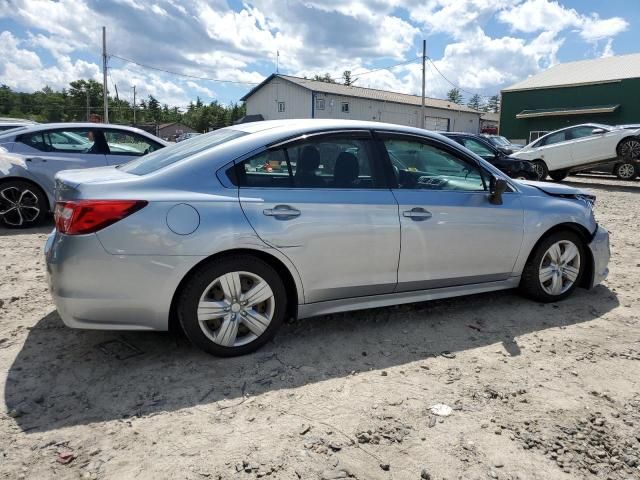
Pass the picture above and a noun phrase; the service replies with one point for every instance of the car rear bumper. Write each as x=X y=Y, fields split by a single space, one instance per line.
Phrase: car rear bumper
x=601 y=253
x=96 y=290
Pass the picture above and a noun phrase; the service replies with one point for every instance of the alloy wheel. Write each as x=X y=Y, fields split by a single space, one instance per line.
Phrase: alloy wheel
x=18 y=207
x=559 y=268
x=236 y=308
x=626 y=171
x=630 y=149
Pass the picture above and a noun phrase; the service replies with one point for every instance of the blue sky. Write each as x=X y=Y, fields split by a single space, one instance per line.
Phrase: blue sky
x=478 y=45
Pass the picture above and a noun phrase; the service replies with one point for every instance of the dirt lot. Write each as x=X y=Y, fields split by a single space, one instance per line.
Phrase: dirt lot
x=537 y=391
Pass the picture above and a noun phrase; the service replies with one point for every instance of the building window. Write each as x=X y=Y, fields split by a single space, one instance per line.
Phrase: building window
x=280 y=107
x=319 y=103
x=344 y=107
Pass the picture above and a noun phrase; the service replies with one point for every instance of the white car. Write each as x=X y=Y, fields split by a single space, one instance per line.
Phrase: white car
x=580 y=147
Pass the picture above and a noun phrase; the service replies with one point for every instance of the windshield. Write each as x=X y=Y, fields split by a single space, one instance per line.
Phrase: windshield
x=174 y=153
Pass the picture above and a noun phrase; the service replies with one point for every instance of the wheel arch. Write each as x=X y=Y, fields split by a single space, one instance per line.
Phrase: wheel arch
x=294 y=292
x=586 y=237
x=4 y=180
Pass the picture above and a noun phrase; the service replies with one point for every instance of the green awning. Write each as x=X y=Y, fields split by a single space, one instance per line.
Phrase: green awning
x=551 y=112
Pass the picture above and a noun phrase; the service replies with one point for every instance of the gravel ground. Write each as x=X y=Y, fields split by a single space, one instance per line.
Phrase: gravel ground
x=536 y=391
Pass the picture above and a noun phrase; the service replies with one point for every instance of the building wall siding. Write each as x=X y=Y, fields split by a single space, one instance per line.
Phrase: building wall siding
x=298 y=103
x=265 y=100
x=626 y=93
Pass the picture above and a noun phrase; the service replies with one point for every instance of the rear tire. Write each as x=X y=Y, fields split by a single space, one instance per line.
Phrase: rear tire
x=541 y=169
x=626 y=170
x=629 y=149
x=554 y=268
x=216 y=306
x=559 y=175
x=22 y=204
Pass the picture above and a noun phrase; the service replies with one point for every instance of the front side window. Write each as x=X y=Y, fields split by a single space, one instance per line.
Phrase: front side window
x=344 y=107
x=421 y=166
x=327 y=162
x=121 y=142
x=86 y=141
x=281 y=107
x=477 y=147
x=554 y=138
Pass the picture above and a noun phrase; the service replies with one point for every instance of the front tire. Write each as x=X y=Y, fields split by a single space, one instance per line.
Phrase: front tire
x=232 y=306
x=559 y=175
x=22 y=204
x=554 y=268
x=541 y=169
x=626 y=170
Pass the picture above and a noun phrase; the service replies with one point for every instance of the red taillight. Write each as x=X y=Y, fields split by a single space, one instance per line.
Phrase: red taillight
x=88 y=216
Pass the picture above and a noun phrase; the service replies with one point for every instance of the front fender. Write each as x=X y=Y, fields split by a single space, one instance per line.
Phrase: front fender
x=543 y=213
x=14 y=167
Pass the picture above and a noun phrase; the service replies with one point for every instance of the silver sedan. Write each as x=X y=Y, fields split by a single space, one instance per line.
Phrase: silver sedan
x=234 y=231
x=32 y=154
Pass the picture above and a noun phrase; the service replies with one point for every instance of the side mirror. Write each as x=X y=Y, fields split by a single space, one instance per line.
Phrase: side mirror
x=598 y=131
x=497 y=186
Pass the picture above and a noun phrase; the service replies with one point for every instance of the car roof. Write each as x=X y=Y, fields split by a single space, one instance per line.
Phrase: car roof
x=27 y=128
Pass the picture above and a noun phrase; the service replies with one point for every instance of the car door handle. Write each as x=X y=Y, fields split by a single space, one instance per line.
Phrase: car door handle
x=37 y=159
x=417 y=214
x=281 y=212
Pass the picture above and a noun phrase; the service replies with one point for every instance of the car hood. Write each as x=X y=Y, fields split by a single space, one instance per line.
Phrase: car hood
x=554 y=188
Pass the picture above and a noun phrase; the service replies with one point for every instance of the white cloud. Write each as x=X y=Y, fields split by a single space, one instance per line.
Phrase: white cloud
x=548 y=15
x=208 y=38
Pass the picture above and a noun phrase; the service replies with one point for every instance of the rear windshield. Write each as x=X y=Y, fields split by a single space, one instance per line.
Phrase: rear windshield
x=166 y=156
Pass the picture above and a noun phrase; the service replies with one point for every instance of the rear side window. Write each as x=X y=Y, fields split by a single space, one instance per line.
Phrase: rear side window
x=327 y=162
x=122 y=142
x=174 y=153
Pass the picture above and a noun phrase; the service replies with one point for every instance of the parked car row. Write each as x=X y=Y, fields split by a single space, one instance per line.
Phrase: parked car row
x=584 y=147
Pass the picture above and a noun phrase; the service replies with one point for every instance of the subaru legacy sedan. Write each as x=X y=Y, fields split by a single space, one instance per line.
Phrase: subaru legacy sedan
x=235 y=230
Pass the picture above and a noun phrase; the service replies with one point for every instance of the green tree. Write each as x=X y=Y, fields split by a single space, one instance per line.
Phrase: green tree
x=346 y=78
x=324 y=78
x=474 y=102
x=493 y=105
x=455 y=96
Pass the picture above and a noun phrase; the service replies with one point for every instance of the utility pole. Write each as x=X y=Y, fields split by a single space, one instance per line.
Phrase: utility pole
x=424 y=64
x=104 y=75
x=134 y=105
x=88 y=106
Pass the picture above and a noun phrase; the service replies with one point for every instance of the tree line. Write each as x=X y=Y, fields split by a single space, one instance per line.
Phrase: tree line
x=491 y=104
x=70 y=105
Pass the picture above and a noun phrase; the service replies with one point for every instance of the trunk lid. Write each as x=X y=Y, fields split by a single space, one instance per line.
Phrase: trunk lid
x=70 y=183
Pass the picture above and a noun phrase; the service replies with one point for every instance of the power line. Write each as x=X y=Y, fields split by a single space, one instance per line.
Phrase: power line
x=453 y=84
x=181 y=74
x=386 y=68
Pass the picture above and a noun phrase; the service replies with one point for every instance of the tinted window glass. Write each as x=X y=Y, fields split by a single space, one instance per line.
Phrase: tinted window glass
x=580 y=132
x=329 y=162
x=174 y=153
x=477 y=147
x=554 y=138
x=419 y=165
x=84 y=141
x=121 y=142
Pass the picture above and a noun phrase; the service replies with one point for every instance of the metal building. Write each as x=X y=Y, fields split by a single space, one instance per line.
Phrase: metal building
x=284 y=96
x=605 y=90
